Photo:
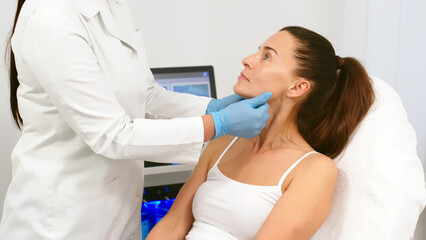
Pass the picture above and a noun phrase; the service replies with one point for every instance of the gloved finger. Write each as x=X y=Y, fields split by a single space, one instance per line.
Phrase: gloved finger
x=259 y=100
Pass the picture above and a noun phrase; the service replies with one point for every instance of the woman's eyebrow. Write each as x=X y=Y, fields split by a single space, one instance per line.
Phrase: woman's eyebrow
x=267 y=48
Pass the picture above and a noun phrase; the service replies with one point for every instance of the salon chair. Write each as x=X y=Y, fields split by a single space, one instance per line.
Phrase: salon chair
x=380 y=190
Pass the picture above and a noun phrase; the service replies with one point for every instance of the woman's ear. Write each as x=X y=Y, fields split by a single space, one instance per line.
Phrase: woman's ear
x=298 y=88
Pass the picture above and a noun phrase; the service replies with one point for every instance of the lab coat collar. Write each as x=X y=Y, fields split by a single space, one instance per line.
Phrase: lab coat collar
x=113 y=26
x=89 y=9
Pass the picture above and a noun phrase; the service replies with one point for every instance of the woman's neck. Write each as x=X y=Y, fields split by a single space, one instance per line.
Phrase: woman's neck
x=280 y=130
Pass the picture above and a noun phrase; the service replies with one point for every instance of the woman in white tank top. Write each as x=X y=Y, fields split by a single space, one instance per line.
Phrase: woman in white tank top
x=278 y=185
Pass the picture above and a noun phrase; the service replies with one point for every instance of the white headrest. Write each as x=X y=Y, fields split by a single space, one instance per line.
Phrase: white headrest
x=380 y=191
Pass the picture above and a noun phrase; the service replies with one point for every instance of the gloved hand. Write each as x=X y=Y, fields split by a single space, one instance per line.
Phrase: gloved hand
x=244 y=119
x=219 y=104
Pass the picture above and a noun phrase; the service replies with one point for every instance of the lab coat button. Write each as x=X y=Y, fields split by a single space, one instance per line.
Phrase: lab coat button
x=132 y=237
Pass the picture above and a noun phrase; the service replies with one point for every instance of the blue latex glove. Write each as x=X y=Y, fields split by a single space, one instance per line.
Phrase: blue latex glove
x=244 y=119
x=219 y=104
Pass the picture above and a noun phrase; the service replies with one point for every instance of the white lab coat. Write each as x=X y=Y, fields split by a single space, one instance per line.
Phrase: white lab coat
x=85 y=91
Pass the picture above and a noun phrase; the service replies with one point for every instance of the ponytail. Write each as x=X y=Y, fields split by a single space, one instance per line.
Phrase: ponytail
x=340 y=96
x=13 y=74
x=345 y=108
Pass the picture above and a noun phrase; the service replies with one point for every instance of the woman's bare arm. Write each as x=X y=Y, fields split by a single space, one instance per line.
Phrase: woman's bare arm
x=305 y=205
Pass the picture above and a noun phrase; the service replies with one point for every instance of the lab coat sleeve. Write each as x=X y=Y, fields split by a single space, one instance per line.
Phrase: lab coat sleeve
x=56 y=47
x=166 y=104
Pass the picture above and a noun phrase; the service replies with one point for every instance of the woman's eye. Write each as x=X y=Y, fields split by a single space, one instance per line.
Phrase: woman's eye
x=267 y=57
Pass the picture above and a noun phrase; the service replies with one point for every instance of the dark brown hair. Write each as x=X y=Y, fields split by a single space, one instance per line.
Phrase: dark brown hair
x=340 y=95
x=13 y=74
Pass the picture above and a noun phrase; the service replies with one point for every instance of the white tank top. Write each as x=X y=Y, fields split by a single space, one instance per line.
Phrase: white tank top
x=226 y=209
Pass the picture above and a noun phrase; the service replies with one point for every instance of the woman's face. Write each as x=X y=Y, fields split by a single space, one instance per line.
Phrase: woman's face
x=270 y=69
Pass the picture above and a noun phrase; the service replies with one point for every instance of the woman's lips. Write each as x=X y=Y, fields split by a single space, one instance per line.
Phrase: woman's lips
x=242 y=77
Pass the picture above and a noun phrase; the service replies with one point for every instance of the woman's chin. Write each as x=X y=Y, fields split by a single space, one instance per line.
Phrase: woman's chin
x=244 y=94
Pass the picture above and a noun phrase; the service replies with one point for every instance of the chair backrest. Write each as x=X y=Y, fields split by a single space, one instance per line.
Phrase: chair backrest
x=380 y=190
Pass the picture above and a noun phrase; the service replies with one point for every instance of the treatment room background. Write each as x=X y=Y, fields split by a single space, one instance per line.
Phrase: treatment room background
x=388 y=37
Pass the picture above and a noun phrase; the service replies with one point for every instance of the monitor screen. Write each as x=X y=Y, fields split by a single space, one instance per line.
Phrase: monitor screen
x=194 y=80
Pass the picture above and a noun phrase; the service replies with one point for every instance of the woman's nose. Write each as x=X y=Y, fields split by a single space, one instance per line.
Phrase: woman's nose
x=248 y=61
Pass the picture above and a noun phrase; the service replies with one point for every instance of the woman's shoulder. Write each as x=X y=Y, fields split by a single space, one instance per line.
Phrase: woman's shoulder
x=309 y=158
x=314 y=168
x=320 y=161
x=317 y=166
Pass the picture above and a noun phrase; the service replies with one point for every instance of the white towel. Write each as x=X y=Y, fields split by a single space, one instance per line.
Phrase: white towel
x=380 y=191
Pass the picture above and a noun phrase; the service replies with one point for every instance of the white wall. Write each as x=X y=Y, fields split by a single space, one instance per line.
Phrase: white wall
x=384 y=34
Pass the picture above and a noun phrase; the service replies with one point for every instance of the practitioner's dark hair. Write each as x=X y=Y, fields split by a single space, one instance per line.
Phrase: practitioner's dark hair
x=340 y=96
x=13 y=74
